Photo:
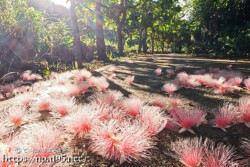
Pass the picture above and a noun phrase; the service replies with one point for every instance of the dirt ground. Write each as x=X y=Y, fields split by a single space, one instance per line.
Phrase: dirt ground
x=147 y=83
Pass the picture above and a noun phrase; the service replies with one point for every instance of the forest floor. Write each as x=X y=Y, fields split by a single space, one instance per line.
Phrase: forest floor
x=147 y=83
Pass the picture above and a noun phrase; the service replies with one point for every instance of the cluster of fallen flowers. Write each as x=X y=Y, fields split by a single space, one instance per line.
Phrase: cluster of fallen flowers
x=116 y=127
x=221 y=81
x=192 y=152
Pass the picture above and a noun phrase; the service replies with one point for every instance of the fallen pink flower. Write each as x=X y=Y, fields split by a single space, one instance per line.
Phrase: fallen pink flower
x=229 y=67
x=236 y=81
x=83 y=86
x=152 y=119
x=244 y=109
x=225 y=116
x=16 y=114
x=122 y=142
x=170 y=72
x=102 y=83
x=158 y=101
x=82 y=74
x=113 y=76
x=170 y=88
x=247 y=83
x=129 y=80
x=132 y=105
x=188 y=151
x=109 y=97
x=63 y=105
x=218 y=155
x=24 y=99
x=190 y=118
x=92 y=81
x=158 y=71
x=112 y=69
x=82 y=121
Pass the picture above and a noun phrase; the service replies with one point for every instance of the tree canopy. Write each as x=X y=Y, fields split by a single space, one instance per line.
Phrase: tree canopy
x=106 y=29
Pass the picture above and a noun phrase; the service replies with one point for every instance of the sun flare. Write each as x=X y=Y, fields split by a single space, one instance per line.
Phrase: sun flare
x=61 y=2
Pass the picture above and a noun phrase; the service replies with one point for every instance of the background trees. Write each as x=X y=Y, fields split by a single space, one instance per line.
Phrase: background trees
x=105 y=29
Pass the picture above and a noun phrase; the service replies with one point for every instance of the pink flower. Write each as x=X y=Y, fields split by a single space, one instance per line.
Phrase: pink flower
x=42 y=103
x=170 y=72
x=129 y=80
x=24 y=99
x=123 y=142
x=73 y=90
x=63 y=105
x=102 y=83
x=132 y=105
x=152 y=119
x=112 y=69
x=190 y=118
x=16 y=114
x=170 y=88
x=183 y=77
x=41 y=136
x=188 y=151
x=135 y=145
x=113 y=75
x=92 y=81
x=82 y=74
x=158 y=71
x=82 y=121
x=225 y=116
x=229 y=67
x=104 y=138
x=83 y=86
x=109 y=97
x=247 y=83
x=244 y=109
x=236 y=81
x=218 y=155
x=192 y=83
x=158 y=101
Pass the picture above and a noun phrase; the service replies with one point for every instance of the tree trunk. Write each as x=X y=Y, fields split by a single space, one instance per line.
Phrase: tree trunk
x=77 y=42
x=140 y=41
x=152 y=41
x=145 y=41
x=120 y=23
x=119 y=39
x=100 y=43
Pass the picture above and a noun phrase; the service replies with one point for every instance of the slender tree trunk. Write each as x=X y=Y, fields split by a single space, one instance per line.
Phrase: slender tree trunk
x=152 y=41
x=145 y=41
x=162 y=46
x=100 y=43
x=77 y=42
x=119 y=39
x=140 y=41
x=120 y=23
